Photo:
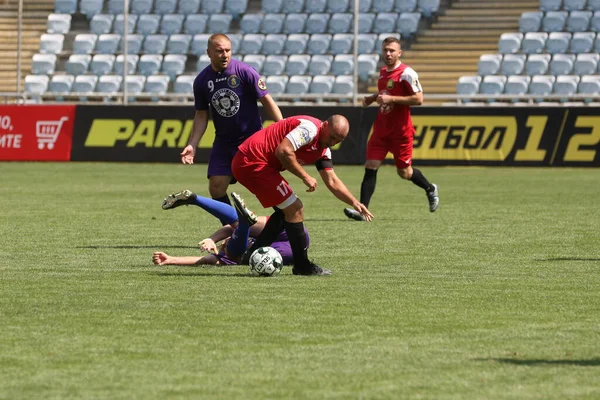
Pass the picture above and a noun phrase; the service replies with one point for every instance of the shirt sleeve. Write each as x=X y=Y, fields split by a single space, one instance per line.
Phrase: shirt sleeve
x=303 y=134
x=200 y=101
x=410 y=78
x=255 y=82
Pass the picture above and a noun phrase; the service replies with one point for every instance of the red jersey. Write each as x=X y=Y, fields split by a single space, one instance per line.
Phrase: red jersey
x=302 y=131
x=394 y=118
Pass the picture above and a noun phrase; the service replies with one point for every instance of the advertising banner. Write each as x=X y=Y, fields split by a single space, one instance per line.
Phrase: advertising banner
x=36 y=132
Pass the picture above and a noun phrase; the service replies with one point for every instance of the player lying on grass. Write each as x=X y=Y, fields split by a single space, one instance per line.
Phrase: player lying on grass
x=227 y=244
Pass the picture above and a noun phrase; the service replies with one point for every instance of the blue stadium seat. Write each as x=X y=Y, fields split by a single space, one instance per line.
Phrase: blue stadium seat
x=589 y=84
x=219 y=23
x=150 y=64
x=141 y=7
x=59 y=23
x=272 y=23
x=179 y=44
x=101 y=24
x=65 y=6
x=132 y=61
x=343 y=64
x=513 y=64
x=314 y=6
x=364 y=6
x=558 y=42
x=108 y=43
x=534 y=42
x=236 y=7
x=574 y=5
x=277 y=83
x=367 y=65
x=274 y=44
x=272 y=6
x=382 y=36
x=155 y=44
x=195 y=24
x=510 y=43
x=428 y=7
x=292 y=6
x=322 y=84
x=340 y=23
x=250 y=23
x=468 y=85
x=318 y=43
x=489 y=64
x=550 y=5
x=256 y=61
x=84 y=84
x=407 y=25
x=212 y=6
x=298 y=84
x=386 y=22
x=401 y=6
x=274 y=65
x=566 y=85
x=252 y=43
x=61 y=84
x=188 y=7
x=586 y=64
x=537 y=64
x=296 y=43
x=51 y=43
x=294 y=23
x=343 y=84
x=36 y=84
x=173 y=65
x=554 y=21
x=116 y=7
x=119 y=23
x=84 y=43
x=297 y=64
x=595 y=22
x=582 y=42
x=517 y=85
x=109 y=84
x=317 y=23
x=236 y=40
x=134 y=44
x=492 y=84
x=43 y=64
x=579 y=21
x=338 y=6
x=366 y=43
x=320 y=64
x=102 y=64
x=593 y=5
x=199 y=44
x=541 y=84
x=164 y=7
x=183 y=84
x=78 y=64
x=203 y=62
x=531 y=21
x=135 y=84
x=148 y=24
x=341 y=43
x=89 y=8
x=157 y=84
x=562 y=64
x=382 y=6
x=171 y=24
x=365 y=22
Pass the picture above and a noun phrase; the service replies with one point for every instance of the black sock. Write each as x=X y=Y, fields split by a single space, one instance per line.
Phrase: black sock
x=223 y=199
x=272 y=229
x=418 y=179
x=367 y=187
x=297 y=238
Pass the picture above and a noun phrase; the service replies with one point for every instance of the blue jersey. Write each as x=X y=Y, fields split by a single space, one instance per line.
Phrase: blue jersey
x=232 y=97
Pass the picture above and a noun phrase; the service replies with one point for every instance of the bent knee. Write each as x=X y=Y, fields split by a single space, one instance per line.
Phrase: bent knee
x=405 y=173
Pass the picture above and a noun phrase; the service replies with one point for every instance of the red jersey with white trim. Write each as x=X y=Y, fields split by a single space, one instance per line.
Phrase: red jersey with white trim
x=394 y=118
x=302 y=131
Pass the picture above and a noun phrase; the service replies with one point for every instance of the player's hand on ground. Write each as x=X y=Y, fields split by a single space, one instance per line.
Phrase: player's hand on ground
x=311 y=183
x=208 y=245
x=384 y=99
x=159 y=258
x=187 y=155
x=364 y=211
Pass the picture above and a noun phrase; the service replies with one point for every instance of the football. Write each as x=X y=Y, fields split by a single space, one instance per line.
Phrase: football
x=265 y=261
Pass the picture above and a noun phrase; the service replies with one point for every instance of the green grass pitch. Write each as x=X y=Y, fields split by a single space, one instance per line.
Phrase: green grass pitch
x=495 y=296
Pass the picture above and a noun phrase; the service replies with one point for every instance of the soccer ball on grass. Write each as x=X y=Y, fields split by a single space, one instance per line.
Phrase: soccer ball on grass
x=265 y=261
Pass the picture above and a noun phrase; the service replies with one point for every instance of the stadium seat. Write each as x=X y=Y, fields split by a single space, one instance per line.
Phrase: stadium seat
x=84 y=84
x=158 y=84
x=595 y=22
x=468 y=85
x=236 y=40
x=183 y=83
x=566 y=85
x=188 y=7
x=108 y=43
x=365 y=22
x=59 y=23
x=292 y=6
x=109 y=83
x=171 y=24
x=401 y=6
x=164 y=7
x=274 y=44
x=530 y=21
x=337 y=6
x=340 y=23
x=574 y=5
x=550 y=5
x=489 y=64
x=510 y=43
x=363 y=6
x=89 y=8
x=102 y=64
x=317 y=23
x=407 y=25
x=43 y=64
x=119 y=23
x=199 y=44
x=148 y=24
x=562 y=64
x=203 y=62
x=101 y=24
x=51 y=43
x=586 y=64
x=116 y=7
x=582 y=42
x=343 y=64
x=195 y=24
x=36 y=84
x=84 y=43
x=297 y=64
x=155 y=44
x=150 y=64
x=272 y=23
x=318 y=43
x=517 y=85
x=296 y=43
x=134 y=44
x=250 y=23
x=140 y=7
x=367 y=65
x=558 y=42
x=341 y=43
x=366 y=43
x=386 y=22
x=236 y=8
x=322 y=84
x=589 y=84
x=298 y=84
x=294 y=23
x=554 y=21
x=343 y=84
x=541 y=84
x=537 y=64
x=382 y=6
x=274 y=65
x=78 y=64
x=65 y=6
x=134 y=84
x=593 y=5
x=492 y=84
x=277 y=83
x=534 y=42
x=173 y=65
x=219 y=23
x=513 y=64
x=272 y=6
x=132 y=61
x=320 y=64
x=178 y=44
x=579 y=21
x=256 y=61
x=314 y=6
x=61 y=84
x=428 y=7
x=382 y=36
x=212 y=7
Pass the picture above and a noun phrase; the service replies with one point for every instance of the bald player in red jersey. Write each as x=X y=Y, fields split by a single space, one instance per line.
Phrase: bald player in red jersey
x=393 y=131
x=288 y=145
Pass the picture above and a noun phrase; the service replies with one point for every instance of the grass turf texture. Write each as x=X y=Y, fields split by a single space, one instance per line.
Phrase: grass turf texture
x=495 y=296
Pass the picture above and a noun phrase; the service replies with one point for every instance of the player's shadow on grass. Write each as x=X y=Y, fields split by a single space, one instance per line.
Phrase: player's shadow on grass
x=592 y=362
x=569 y=259
x=159 y=246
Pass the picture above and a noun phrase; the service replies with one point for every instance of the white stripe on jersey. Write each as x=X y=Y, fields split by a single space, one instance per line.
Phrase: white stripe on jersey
x=409 y=75
x=303 y=134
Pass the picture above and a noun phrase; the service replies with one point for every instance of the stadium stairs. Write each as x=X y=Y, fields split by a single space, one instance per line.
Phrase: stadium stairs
x=461 y=33
x=35 y=18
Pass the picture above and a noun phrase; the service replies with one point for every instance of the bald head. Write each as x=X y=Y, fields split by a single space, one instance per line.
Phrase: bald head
x=219 y=51
x=336 y=129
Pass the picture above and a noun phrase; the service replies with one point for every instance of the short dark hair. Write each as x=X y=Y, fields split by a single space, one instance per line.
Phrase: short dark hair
x=391 y=39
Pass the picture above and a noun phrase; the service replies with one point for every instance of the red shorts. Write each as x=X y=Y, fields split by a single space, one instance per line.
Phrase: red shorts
x=399 y=144
x=265 y=182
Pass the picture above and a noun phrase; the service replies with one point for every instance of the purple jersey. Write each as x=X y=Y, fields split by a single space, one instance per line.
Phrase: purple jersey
x=232 y=97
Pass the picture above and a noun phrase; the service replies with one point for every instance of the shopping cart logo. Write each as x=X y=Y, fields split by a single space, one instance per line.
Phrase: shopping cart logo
x=47 y=132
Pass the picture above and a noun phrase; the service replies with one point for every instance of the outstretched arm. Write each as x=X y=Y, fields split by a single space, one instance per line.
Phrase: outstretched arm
x=160 y=258
x=339 y=190
x=286 y=154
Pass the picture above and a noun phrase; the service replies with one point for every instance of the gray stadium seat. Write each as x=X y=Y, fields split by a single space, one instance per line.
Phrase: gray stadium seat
x=199 y=44
x=492 y=84
x=150 y=64
x=468 y=85
x=157 y=84
x=407 y=25
x=343 y=84
x=101 y=24
x=134 y=44
x=320 y=64
x=367 y=65
x=337 y=6
x=89 y=8
x=363 y=6
x=593 y=5
x=586 y=64
x=65 y=6
x=401 y=6
x=517 y=85
x=155 y=44
x=84 y=84
x=164 y=7
x=135 y=84
x=109 y=84
x=78 y=64
x=141 y=7
x=537 y=64
x=298 y=84
x=297 y=64
x=566 y=85
x=541 y=84
x=343 y=64
x=582 y=42
x=341 y=43
x=236 y=40
x=212 y=6
x=534 y=42
x=365 y=22
x=183 y=84
x=173 y=65
x=513 y=64
x=250 y=23
x=428 y=7
x=195 y=24
x=36 y=84
x=272 y=23
x=314 y=6
x=61 y=84
x=366 y=43
x=179 y=44
x=550 y=5
x=116 y=7
x=59 y=23
x=272 y=6
x=51 y=43
x=530 y=21
x=595 y=22
x=277 y=83
x=322 y=84
x=386 y=22
x=589 y=84
x=43 y=64
x=340 y=23
x=236 y=7
x=171 y=24
x=292 y=6
x=219 y=23
x=148 y=24
x=274 y=44
x=509 y=43
x=382 y=6
x=294 y=23
x=203 y=62
x=318 y=43
x=102 y=64
x=562 y=64
x=132 y=61
x=382 y=36
x=558 y=42
x=108 y=43
x=554 y=21
x=489 y=64
x=296 y=43
x=84 y=43
x=317 y=23
x=574 y=5
x=256 y=61
x=274 y=65
x=252 y=43
x=579 y=21
x=188 y=7
x=118 y=25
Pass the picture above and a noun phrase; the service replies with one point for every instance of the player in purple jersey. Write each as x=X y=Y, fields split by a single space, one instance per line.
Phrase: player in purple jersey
x=230 y=89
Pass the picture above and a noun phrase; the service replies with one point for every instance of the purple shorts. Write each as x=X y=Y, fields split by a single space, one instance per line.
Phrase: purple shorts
x=219 y=163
